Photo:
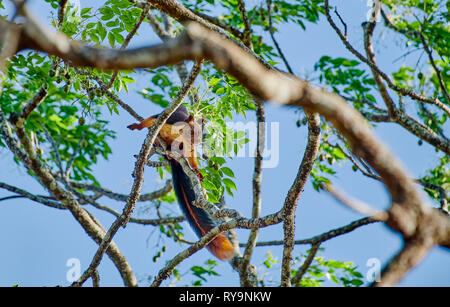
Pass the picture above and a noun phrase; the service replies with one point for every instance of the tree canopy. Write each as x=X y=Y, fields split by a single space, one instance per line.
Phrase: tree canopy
x=222 y=60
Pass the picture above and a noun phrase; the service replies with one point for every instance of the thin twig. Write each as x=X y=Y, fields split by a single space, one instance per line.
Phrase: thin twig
x=304 y=268
x=342 y=21
x=443 y=194
x=429 y=52
x=127 y=40
x=355 y=204
x=42 y=93
x=275 y=42
x=247 y=27
x=216 y=21
x=95 y=279
x=55 y=152
x=45 y=200
x=123 y=197
x=324 y=236
x=61 y=11
x=74 y=155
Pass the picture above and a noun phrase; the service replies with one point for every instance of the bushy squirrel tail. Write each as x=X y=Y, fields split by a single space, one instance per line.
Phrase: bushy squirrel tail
x=199 y=219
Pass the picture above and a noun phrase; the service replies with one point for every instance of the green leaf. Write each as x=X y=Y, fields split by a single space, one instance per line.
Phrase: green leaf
x=101 y=30
x=227 y=171
x=119 y=38
x=85 y=11
x=229 y=183
x=111 y=39
x=213 y=81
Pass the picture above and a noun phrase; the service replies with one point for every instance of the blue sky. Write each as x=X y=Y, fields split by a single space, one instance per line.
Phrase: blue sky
x=36 y=241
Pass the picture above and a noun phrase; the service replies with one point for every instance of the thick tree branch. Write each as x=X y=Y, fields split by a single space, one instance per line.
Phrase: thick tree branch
x=410 y=255
x=257 y=178
x=290 y=203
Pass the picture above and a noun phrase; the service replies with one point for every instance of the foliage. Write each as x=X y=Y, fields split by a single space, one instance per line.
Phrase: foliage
x=337 y=272
x=73 y=109
x=60 y=113
x=439 y=176
x=202 y=272
x=321 y=272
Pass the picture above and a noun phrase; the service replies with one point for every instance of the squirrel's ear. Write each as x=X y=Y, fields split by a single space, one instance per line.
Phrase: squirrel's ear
x=189 y=119
x=200 y=121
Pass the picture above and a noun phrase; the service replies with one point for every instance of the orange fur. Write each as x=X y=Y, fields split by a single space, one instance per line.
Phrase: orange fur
x=221 y=247
x=173 y=135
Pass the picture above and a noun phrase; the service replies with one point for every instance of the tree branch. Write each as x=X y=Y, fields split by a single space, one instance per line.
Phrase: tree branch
x=257 y=178
x=290 y=203
x=123 y=197
x=127 y=40
x=407 y=211
x=45 y=200
x=272 y=35
x=324 y=236
x=306 y=264
x=410 y=255
x=247 y=27
x=355 y=204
